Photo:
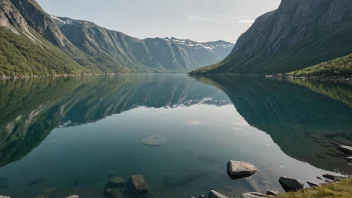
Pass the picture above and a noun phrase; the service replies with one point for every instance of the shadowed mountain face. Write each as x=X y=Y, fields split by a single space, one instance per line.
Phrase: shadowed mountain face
x=299 y=34
x=308 y=120
x=32 y=108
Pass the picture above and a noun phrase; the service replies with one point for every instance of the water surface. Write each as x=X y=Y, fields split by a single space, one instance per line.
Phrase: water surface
x=73 y=134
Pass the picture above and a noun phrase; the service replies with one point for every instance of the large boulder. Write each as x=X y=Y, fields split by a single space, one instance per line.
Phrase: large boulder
x=139 y=185
x=346 y=149
x=214 y=194
x=290 y=184
x=238 y=169
x=252 y=195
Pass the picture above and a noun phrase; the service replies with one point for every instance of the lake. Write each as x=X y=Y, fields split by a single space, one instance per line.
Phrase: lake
x=64 y=136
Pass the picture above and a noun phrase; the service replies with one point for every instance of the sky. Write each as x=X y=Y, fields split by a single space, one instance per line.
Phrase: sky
x=199 y=20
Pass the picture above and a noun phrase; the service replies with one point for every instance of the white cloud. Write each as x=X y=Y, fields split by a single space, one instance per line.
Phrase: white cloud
x=241 y=17
x=199 y=18
x=245 y=21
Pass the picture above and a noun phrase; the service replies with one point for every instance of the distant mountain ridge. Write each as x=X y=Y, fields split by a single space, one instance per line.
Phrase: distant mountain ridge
x=36 y=43
x=299 y=34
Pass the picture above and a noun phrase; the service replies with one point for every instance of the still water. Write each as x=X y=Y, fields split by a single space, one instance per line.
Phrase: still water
x=65 y=136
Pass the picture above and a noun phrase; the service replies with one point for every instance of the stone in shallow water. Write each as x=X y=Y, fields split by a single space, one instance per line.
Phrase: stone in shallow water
x=73 y=196
x=252 y=195
x=334 y=177
x=272 y=193
x=290 y=184
x=139 y=185
x=238 y=169
x=349 y=159
x=116 y=182
x=154 y=141
x=214 y=194
x=115 y=193
x=312 y=184
x=346 y=149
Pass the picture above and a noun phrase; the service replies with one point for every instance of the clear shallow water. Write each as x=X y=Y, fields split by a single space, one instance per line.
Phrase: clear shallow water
x=73 y=134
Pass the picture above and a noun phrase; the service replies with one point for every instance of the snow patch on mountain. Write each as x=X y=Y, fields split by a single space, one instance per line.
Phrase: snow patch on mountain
x=199 y=45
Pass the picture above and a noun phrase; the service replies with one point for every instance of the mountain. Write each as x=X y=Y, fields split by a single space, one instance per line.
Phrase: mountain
x=33 y=42
x=338 y=68
x=300 y=33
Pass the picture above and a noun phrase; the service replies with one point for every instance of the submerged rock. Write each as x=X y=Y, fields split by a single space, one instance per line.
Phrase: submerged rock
x=238 y=169
x=349 y=159
x=252 y=195
x=139 y=185
x=290 y=184
x=154 y=141
x=115 y=193
x=73 y=196
x=116 y=182
x=214 y=194
x=346 y=149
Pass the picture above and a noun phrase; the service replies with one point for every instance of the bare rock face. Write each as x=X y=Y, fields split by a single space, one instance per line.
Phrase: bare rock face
x=139 y=185
x=214 y=194
x=238 y=169
x=290 y=184
x=252 y=195
x=346 y=149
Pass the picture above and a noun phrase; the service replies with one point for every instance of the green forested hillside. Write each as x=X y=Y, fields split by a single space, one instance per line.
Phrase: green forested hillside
x=20 y=55
x=340 y=67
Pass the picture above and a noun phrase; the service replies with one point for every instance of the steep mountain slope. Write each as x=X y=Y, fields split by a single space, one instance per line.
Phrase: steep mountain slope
x=340 y=67
x=35 y=43
x=24 y=50
x=108 y=47
x=300 y=33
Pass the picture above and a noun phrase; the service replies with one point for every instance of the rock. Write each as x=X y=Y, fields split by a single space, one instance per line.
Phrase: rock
x=201 y=196
x=252 y=195
x=312 y=184
x=290 y=184
x=115 y=193
x=319 y=178
x=346 y=149
x=238 y=169
x=328 y=181
x=272 y=193
x=334 y=177
x=214 y=194
x=116 y=182
x=4 y=196
x=139 y=185
x=349 y=159
x=154 y=141
x=73 y=196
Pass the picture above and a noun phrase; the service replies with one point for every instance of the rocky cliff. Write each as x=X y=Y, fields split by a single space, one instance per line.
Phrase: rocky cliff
x=300 y=33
